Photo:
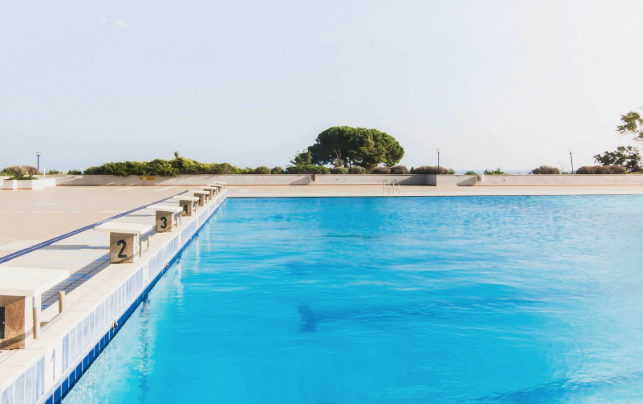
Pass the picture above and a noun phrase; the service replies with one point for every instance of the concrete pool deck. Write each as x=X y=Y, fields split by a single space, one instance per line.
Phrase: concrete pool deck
x=30 y=217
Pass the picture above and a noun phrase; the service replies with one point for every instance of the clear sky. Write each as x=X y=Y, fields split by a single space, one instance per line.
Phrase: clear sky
x=494 y=83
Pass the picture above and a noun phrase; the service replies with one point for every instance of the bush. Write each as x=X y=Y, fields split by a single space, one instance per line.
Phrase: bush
x=74 y=172
x=545 y=170
x=262 y=170
x=399 y=170
x=470 y=173
x=339 y=170
x=430 y=170
x=166 y=168
x=277 y=170
x=307 y=169
x=611 y=169
x=13 y=170
x=19 y=173
x=451 y=171
x=53 y=172
x=31 y=170
x=497 y=171
x=357 y=170
x=16 y=172
x=380 y=170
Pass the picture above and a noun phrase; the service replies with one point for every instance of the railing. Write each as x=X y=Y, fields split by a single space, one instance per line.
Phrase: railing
x=399 y=188
x=389 y=187
x=386 y=188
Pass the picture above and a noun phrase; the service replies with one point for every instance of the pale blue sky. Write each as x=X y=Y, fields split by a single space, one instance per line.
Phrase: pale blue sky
x=506 y=83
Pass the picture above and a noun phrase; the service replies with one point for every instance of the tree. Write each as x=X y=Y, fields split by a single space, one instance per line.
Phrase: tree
x=301 y=159
x=629 y=156
x=355 y=146
x=632 y=125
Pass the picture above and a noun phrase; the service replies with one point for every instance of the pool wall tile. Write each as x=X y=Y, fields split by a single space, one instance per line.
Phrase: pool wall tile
x=70 y=356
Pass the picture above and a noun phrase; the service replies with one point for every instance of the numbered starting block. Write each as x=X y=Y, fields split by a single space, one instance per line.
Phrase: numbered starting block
x=187 y=203
x=125 y=240
x=218 y=185
x=20 y=302
x=202 y=195
x=167 y=217
x=211 y=190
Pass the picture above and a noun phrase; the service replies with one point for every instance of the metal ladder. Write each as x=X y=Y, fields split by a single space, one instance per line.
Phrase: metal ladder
x=389 y=187
x=399 y=188
x=386 y=188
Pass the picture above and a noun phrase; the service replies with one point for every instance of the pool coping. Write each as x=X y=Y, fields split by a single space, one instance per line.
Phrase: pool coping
x=49 y=367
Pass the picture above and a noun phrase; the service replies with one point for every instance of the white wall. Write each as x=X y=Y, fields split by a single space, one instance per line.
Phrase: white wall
x=338 y=179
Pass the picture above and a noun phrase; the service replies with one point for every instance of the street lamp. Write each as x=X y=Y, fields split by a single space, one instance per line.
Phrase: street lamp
x=438 y=161
x=571 y=160
x=38 y=154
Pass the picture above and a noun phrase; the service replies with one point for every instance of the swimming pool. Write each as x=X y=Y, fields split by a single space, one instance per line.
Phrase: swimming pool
x=391 y=300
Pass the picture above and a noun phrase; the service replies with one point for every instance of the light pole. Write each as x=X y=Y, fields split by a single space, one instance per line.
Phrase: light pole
x=571 y=160
x=38 y=154
x=438 y=161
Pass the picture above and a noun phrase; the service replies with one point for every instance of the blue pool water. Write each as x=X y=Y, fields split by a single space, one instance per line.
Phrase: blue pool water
x=406 y=300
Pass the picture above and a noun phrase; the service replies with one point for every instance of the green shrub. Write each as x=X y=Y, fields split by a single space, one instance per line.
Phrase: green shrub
x=430 y=170
x=16 y=172
x=545 y=170
x=357 y=170
x=611 y=169
x=262 y=170
x=53 y=172
x=470 y=173
x=339 y=170
x=307 y=169
x=399 y=170
x=74 y=172
x=31 y=170
x=12 y=170
x=380 y=170
x=277 y=170
x=166 y=168
x=497 y=171
x=451 y=171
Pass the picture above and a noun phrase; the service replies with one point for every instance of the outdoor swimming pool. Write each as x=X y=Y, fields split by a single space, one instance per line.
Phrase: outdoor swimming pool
x=391 y=300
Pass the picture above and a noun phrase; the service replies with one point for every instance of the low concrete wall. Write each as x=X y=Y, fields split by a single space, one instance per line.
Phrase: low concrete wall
x=245 y=179
x=563 y=179
x=28 y=184
x=453 y=180
x=354 y=179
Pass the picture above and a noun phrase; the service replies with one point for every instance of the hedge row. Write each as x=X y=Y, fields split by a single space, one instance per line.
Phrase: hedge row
x=613 y=169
